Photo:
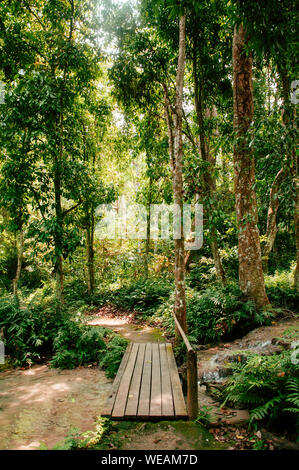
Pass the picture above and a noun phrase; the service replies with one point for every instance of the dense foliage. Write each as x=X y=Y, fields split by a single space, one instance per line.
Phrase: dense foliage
x=35 y=332
x=269 y=387
x=150 y=102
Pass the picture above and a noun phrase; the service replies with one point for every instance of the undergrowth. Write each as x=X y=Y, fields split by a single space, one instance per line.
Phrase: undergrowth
x=34 y=331
x=218 y=313
x=269 y=387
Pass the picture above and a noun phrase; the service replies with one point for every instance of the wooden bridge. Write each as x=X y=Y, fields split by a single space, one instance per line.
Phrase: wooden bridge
x=147 y=386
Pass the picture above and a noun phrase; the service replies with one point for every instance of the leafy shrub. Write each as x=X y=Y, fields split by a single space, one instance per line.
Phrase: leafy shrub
x=36 y=330
x=204 y=415
x=28 y=329
x=216 y=313
x=230 y=261
x=144 y=295
x=87 y=440
x=8 y=263
x=75 y=290
x=201 y=274
x=281 y=292
x=284 y=252
x=76 y=345
x=268 y=386
x=32 y=276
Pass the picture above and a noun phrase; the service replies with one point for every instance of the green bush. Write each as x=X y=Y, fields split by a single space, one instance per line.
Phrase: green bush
x=34 y=330
x=75 y=290
x=284 y=252
x=268 y=386
x=28 y=329
x=201 y=274
x=281 y=292
x=76 y=344
x=215 y=314
x=8 y=264
x=144 y=295
x=230 y=261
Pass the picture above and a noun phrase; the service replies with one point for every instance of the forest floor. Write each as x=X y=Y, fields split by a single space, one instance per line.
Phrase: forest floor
x=40 y=406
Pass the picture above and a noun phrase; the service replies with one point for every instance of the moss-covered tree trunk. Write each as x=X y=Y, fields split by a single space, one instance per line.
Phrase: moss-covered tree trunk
x=250 y=261
x=174 y=121
x=179 y=245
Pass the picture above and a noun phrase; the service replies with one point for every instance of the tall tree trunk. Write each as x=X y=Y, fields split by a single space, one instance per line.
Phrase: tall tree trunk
x=90 y=256
x=175 y=144
x=209 y=181
x=271 y=219
x=179 y=245
x=20 y=248
x=251 y=277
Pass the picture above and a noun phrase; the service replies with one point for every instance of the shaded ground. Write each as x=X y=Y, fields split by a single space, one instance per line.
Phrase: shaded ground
x=123 y=324
x=40 y=405
x=171 y=436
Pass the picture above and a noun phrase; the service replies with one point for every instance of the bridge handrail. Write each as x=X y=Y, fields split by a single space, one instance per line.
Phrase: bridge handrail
x=192 y=379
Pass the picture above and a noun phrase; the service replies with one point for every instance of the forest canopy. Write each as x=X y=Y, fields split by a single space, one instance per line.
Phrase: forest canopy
x=148 y=102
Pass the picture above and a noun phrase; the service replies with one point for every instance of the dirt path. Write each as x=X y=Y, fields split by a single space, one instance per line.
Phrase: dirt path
x=40 y=405
x=123 y=324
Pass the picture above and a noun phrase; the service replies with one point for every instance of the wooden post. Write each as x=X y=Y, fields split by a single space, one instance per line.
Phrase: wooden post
x=192 y=385
x=192 y=381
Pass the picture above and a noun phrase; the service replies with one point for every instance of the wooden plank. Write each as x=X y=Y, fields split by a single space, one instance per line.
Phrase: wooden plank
x=133 y=396
x=156 y=402
x=145 y=390
x=147 y=385
x=178 y=397
x=167 y=398
x=182 y=333
x=107 y=411
x=122 y=394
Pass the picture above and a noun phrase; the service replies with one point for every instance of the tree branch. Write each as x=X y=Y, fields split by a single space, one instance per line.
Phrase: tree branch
x=67 y=211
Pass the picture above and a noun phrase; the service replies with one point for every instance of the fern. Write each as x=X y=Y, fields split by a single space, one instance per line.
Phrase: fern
x=266 y=385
